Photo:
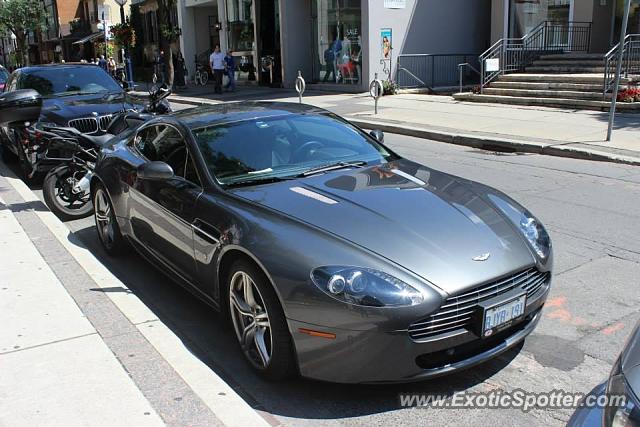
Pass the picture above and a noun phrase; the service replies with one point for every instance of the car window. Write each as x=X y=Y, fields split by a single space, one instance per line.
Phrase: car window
x=4 y=75
x=54 y=82
x=283 y=146
x=165 y=143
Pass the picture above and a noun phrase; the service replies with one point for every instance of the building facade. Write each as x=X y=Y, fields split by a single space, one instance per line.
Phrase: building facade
x=514 y=18
x=339 y=44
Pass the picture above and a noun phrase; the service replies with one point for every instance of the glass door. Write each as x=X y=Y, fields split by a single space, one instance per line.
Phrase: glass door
x=525 y=15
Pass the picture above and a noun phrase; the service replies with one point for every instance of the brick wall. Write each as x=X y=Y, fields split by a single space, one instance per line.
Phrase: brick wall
x=67 y=11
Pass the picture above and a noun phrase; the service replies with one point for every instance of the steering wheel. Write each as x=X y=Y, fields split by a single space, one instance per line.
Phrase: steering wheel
x=306 y=148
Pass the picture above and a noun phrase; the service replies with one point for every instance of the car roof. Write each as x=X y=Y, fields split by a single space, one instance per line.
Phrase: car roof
x=229 y=112
x=56 y=66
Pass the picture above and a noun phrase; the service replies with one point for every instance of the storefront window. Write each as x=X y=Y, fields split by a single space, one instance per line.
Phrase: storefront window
x=240 y=17
x=337 y=43
x=525 y=15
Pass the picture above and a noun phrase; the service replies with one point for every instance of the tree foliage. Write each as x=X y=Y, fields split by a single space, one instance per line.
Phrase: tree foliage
x=21 y=16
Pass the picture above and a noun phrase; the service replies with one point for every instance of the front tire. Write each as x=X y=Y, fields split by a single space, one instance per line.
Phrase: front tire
x=259 y=323
x=59 y=197
x=106 y=224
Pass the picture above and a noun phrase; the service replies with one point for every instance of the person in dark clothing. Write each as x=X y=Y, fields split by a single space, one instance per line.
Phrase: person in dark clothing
x=102 y=63
x=331 y=56
x=230 y=69
x=178 y=66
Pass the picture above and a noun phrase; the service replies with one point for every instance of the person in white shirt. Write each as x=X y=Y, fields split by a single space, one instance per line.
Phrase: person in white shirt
x=216 y=61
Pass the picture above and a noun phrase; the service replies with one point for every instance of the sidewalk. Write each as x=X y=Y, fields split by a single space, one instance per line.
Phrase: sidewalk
x=77 y=347
x=551 y=131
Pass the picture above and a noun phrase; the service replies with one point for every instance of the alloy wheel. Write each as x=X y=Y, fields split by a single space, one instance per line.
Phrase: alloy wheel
x=250 y=320
x=104 y=218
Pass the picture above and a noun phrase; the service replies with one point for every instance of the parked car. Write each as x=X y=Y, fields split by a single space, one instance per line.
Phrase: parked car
x=4 y=75
x=329 y=254
x=81 y=96
x=624 y=380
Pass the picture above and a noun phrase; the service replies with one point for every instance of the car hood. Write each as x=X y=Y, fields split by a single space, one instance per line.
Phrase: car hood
x=424 y=220
x=62 y=109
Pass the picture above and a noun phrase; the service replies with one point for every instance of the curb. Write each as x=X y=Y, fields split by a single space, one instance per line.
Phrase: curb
x=224 y=402
x=496 y=143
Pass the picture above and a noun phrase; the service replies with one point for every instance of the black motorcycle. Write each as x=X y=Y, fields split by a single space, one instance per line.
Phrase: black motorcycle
x=66 y=187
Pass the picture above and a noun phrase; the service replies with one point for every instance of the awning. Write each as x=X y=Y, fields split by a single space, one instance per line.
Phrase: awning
x=90 y=38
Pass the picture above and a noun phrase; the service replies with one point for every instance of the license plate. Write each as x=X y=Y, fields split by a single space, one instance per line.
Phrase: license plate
x=502 y=315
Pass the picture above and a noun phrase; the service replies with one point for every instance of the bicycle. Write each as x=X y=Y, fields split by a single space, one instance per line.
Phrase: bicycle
x=201 y=77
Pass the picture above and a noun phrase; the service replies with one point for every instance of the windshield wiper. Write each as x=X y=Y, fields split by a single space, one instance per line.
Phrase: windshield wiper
x=257 y=181
x=331 y=167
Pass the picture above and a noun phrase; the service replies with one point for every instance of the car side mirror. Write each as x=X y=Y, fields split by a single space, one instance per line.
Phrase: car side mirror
x=158 y=171
x=20 y=107
x=378 y=135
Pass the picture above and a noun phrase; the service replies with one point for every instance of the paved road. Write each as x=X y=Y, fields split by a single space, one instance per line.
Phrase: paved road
x=591 y=210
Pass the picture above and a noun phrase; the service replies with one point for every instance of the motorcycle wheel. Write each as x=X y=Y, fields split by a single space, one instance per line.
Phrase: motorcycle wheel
x=204 y=78
x=59 y=197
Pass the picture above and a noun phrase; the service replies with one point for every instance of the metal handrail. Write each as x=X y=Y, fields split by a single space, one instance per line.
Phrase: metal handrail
x=630 y=61
x=514 y=54
x=461 y=67
x=429 y=70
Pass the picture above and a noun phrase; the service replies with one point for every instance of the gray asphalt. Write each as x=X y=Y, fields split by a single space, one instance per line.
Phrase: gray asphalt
x=591 y=211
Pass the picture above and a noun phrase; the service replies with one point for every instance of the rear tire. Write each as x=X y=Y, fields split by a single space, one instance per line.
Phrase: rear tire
x=204 y=78
x=106 y=224
x=258 y=322
x=8 y=156
x=54 y=184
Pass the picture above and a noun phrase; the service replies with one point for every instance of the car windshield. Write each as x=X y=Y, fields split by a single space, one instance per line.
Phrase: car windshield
x=4 y=75
x=53 y=82
x=282 y=147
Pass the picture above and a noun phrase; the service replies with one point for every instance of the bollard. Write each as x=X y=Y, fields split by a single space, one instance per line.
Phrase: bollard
x=300 y=86
x=376 y=90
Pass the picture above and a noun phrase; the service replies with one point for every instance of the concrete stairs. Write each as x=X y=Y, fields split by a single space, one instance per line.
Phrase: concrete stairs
x=559 y=80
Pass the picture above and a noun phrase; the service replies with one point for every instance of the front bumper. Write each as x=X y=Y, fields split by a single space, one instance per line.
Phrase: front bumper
x=375 y=356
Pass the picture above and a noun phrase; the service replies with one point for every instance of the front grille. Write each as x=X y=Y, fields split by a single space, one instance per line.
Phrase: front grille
x=104 y=121
x=457 y=311
x=91 y=124
x=85 y=124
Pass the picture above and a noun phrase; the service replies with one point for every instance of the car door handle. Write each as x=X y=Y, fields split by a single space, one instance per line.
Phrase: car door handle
x=205 y=231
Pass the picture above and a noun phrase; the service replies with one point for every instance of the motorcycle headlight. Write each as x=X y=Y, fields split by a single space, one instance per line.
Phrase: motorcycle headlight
x=530 y=227
x=365 y=286
x=622 y=407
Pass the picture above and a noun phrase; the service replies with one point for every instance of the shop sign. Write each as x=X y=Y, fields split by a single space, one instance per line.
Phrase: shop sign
x=395 y=4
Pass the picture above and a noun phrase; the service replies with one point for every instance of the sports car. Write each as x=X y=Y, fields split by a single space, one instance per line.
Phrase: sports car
x=330 y=255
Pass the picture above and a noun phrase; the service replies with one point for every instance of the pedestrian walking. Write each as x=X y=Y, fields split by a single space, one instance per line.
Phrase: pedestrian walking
x=230 y=70
x=216 y=62
x=178 y=66
x=160 y=68
x=331 y=56
x=102 y=63
x=112 y=66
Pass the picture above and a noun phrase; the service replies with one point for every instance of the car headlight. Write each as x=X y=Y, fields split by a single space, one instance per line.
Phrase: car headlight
x=622 y=409
x=530 y=227
x=365 y=286
x=535 y=234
